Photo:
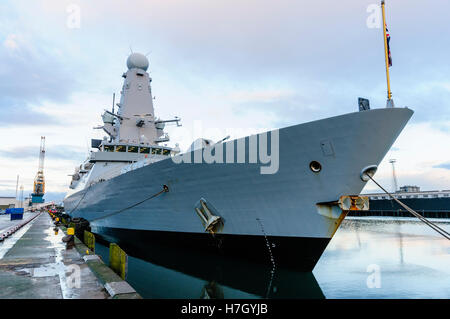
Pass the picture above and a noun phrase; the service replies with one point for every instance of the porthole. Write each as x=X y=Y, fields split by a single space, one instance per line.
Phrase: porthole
x=315 y=166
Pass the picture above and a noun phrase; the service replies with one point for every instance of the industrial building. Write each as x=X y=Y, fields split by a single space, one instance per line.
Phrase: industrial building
x=7 y=202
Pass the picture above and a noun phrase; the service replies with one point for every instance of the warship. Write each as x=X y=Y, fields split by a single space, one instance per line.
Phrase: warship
x=275 y=198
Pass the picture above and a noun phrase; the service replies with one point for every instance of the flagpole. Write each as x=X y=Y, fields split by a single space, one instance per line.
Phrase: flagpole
x=390 y=102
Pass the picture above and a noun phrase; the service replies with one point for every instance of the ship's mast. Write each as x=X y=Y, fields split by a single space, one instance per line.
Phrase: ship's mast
x=135 y=121
x=390 y=101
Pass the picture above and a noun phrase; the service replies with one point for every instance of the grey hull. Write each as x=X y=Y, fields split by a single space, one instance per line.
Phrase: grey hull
x=281 y=205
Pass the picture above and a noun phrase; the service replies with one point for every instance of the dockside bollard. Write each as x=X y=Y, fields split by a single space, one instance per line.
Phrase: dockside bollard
x=69 y=239
x=80 y=225
x=118 y=260
x=89 y=240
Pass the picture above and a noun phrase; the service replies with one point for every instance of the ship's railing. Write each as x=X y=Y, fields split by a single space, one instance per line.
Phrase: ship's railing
x=427 y=195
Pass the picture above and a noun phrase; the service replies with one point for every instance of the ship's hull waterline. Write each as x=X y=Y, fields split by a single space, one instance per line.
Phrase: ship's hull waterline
x=262 y=214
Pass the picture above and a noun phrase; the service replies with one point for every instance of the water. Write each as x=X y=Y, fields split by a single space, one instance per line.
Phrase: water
x=378 y=257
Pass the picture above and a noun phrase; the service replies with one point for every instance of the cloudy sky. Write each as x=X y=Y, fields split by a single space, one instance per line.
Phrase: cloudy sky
x=248 y=64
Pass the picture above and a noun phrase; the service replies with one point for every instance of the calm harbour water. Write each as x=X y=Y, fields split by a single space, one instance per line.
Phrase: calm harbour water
x=373 y=257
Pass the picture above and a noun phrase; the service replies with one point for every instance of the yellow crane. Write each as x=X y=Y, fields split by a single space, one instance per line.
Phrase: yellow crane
x=39 y=182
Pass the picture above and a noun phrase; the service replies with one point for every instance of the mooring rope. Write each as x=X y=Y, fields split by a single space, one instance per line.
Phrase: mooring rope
x=414 y=213
x=164 y=190
x=82 y=197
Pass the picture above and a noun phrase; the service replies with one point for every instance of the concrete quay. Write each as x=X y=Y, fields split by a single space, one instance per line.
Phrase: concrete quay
x=35 y=264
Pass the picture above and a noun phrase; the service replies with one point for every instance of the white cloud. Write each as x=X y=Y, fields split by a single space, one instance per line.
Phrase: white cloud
x=419 y=149
x=260 y=95
x=230 y=64
x=11 y=42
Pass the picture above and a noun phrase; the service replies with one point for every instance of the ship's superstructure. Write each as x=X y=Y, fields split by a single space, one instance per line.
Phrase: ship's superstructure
x=134 y=132
x=135 y=124
x=277 y=197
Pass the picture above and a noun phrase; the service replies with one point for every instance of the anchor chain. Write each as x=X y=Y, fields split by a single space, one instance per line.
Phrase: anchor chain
x=272 y=259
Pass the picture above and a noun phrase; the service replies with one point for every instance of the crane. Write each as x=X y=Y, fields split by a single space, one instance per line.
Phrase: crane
x=39 y=182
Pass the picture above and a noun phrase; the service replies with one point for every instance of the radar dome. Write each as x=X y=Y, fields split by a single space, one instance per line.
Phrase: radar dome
x=137 y=60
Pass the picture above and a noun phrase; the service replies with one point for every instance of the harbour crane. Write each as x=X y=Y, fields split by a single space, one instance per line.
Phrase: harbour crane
x=39 y=182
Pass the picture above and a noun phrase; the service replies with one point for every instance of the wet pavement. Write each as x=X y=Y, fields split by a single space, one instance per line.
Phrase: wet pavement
x=34 y=263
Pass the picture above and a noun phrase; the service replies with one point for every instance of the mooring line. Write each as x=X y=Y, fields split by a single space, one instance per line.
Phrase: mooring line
x=82 y=197
x=164 y=190
x=414 y=213
x=272 y=259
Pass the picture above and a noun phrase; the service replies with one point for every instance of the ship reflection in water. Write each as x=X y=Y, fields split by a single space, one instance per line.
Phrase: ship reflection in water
x=375 y=257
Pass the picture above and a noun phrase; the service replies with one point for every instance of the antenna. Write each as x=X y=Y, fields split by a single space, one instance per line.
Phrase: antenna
x=394 y=177
x=87 y=146
x=131 y=50
x=114 y=99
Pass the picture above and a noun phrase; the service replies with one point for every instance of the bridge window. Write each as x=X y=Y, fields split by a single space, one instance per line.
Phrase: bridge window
x=145 y=150
x=121 y=148
x=109 y=148
x=165 y=152
x=133 y=149
x=156 y=151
